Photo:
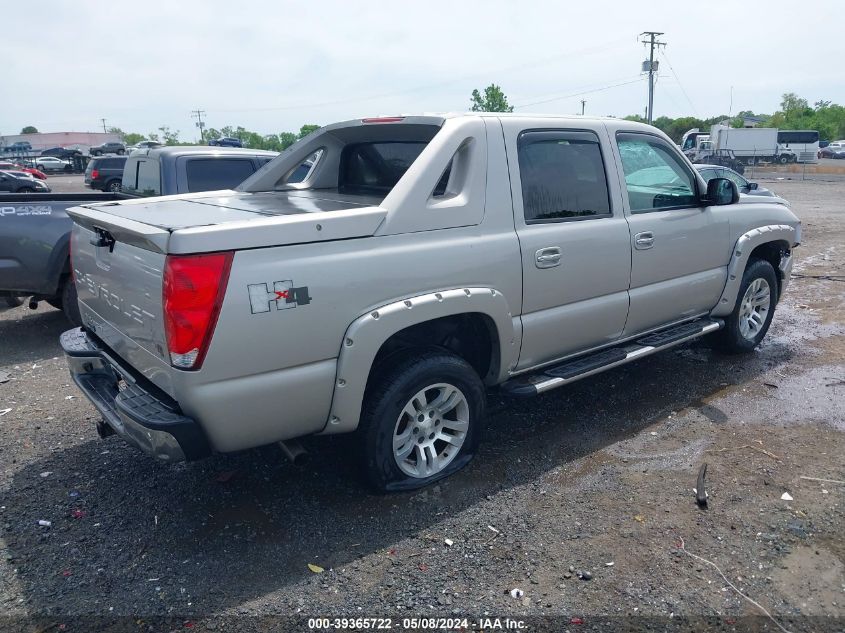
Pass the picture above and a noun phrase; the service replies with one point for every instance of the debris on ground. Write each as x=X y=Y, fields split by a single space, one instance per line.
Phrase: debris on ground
x=517 y=593
x=316 y=568
x=44 y=523
x=4 y=377
x=826 y=481
x=700 y=491
x=786 y=496
x=4 y=412
x=449 y=542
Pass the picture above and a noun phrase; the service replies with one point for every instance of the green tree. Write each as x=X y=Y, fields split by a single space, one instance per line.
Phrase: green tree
x=305 y=130
x=168 y=136
x=286 y=139
x=29 y=129
x=133 y=138
x=493 y=100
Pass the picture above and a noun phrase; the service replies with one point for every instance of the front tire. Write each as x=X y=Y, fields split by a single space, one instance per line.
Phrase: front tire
x=422 y=420
x=755 y=306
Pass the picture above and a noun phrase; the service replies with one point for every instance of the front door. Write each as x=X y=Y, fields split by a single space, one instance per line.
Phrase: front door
x=679 y=246
x=573 y=236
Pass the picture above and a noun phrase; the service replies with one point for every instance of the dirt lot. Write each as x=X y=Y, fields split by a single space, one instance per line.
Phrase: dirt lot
x=593 y=478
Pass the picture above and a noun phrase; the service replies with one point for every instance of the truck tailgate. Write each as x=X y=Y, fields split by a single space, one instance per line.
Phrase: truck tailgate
x=119 y=252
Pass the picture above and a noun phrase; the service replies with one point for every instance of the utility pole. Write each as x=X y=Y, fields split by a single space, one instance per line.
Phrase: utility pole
x=583 y=103
x=104 y=125
x=198 y=114
x=651 y=66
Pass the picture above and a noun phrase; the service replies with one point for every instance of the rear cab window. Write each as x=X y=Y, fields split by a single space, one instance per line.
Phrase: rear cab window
x=376 y=167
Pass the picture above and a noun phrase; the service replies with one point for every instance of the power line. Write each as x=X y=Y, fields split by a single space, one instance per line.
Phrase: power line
x=533 y=63
x=649 y=65
x=578 y=94
x=678 y=79
x=198 y=114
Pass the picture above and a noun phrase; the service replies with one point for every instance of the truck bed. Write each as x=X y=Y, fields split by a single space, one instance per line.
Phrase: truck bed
x=231 y=220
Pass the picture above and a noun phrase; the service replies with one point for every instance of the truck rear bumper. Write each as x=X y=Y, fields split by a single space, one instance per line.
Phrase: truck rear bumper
x=144 y=419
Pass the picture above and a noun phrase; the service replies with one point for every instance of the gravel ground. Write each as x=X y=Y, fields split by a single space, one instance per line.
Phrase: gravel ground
x=591 y=480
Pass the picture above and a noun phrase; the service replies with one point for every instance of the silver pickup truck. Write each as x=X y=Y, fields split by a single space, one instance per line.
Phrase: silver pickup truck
x=421 y=261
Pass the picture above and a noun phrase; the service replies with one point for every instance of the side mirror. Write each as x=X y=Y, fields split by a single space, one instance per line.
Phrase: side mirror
x=721 y=191
x=752 y=186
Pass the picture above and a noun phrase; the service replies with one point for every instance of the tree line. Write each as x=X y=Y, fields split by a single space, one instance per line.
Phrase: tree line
x=795 y=113
x=272 y=142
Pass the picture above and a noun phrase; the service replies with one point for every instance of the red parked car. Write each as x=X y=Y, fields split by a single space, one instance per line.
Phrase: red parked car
x=29 y=170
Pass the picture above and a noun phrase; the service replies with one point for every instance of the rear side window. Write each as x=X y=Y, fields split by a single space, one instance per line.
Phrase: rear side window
x=210 y=174
x=142 y=178
x=112 y=163
x=563 y=176
x=377 y=166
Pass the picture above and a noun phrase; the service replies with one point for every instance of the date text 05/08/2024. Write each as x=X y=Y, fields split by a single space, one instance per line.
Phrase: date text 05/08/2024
x=411 y=623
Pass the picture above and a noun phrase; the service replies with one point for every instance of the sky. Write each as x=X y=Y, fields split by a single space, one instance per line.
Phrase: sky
x=276 y=65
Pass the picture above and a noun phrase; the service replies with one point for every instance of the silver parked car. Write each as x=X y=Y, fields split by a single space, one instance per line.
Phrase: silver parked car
x=51 y=163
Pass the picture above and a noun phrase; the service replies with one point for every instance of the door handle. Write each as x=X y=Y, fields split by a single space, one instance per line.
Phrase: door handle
x=548 y=257
x=644 y=240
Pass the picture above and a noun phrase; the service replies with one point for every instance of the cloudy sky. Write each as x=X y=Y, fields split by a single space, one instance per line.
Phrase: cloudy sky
x=273 y=66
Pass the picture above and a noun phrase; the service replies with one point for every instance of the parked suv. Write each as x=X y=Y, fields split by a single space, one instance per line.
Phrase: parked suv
x=18 y=147
x=105 y=173
x=111 y=147
x=61 y=152
x=226 y=141
x=187 y=168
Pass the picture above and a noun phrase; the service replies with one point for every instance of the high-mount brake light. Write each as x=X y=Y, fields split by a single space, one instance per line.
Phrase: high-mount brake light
x=384 y=119
x=193 y=290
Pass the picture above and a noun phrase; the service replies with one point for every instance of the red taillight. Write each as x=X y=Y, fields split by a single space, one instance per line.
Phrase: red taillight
x=193 y=291
x=384 y=119
x=95 y=174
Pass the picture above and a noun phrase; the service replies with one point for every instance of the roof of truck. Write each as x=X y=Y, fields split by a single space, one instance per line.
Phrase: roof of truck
x=185 y=150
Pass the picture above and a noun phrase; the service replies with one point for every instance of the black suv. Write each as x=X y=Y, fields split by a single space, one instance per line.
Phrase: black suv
x=112 y=147
x=61 y=152
x=105 y=173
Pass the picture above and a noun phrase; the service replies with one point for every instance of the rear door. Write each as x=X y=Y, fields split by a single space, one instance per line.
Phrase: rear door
x=678 y=262
x=573 y=237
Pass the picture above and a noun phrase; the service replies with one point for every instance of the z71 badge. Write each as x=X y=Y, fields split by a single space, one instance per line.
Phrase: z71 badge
x=281 y=294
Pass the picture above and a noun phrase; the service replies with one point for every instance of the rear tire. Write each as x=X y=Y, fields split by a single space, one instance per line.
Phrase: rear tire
x=422 y=420
x=755 y=306
x=70 y=304
x=113 y=186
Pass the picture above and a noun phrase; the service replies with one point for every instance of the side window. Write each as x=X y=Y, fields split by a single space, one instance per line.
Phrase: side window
x=210 y=174
x=148 y=178
x=305 y=168
x=655 y=176
x=562 y=175
x=708 y=174
x=738 y=180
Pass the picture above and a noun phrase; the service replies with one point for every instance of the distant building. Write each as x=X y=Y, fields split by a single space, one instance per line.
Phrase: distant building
x=82 y=141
